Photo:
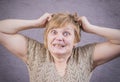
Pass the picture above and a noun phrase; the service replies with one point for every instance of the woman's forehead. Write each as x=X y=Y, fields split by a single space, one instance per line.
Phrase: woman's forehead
x=65 y=27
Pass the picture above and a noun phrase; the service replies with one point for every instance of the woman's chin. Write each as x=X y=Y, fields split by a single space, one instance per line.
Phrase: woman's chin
x=58 y=53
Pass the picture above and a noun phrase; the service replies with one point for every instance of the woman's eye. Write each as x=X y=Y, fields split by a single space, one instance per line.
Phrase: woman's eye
x=53 y=32
x=66 y=33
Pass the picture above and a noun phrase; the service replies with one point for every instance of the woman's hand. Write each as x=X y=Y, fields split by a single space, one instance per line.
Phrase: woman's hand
x=41 y=22
x=85 y=25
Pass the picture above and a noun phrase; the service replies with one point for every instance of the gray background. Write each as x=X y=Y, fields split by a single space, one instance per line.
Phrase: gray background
x=99 y=12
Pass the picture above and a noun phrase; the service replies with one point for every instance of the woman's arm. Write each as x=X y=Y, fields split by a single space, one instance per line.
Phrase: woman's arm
x=105 y=51
x=112 y=35
x=12 y=26
x=17 y=43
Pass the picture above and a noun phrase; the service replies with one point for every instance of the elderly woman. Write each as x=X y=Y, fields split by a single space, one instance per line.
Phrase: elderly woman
x=58 y=59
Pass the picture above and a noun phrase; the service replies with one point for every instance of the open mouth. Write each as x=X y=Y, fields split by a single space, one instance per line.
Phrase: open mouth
x=58 y=45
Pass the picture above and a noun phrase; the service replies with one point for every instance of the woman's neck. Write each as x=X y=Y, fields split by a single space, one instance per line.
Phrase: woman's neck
x=60 y=62
x=61 y=58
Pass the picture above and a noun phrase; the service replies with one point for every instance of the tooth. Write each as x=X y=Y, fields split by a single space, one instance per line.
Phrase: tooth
x=58 y=45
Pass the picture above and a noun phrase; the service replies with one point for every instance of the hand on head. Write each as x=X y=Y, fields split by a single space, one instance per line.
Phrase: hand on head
x=81 y=20
x=84 y=23
x=44 y=19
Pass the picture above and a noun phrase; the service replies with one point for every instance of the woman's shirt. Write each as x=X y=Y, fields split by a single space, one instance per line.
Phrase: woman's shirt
x=41 y=66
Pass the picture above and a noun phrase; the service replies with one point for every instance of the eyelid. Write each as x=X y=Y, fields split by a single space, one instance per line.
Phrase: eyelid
x=68 y=33
x=53 y=31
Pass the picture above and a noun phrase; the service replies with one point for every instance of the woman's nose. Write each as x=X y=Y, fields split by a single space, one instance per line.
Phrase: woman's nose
x=59 y=37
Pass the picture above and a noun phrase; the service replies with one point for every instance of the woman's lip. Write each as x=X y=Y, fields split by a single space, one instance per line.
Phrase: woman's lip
x=58 y=45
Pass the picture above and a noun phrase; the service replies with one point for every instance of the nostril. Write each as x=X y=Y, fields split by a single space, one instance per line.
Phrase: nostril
x=59 y=38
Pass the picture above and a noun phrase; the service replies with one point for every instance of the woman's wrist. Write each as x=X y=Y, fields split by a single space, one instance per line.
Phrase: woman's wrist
x=88 y=28
x=34 y=23
x=38 y=23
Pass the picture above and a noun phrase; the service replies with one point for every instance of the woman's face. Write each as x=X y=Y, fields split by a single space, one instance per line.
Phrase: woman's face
x=61 y=40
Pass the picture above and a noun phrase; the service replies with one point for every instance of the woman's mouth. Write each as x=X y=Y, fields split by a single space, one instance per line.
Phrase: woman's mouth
x=58 y=46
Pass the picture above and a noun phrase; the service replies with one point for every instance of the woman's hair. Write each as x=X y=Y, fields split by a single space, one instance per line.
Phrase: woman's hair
x=59 y=20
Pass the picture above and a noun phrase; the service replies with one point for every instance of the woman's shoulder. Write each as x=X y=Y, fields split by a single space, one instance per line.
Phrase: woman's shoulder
x=34 y=43
x=35 y=50
x=34 y=46
x=85 y=50
x=86 y=46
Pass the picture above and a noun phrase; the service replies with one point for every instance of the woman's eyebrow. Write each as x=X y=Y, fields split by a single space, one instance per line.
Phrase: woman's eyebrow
x=52 y=28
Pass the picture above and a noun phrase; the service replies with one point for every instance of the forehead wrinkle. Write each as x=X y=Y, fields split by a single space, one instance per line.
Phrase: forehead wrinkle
x=64 y=28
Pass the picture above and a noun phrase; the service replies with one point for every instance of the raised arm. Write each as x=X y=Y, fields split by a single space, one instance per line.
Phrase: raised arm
x=12 y=26
x=16 y=43
x=105 y=51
